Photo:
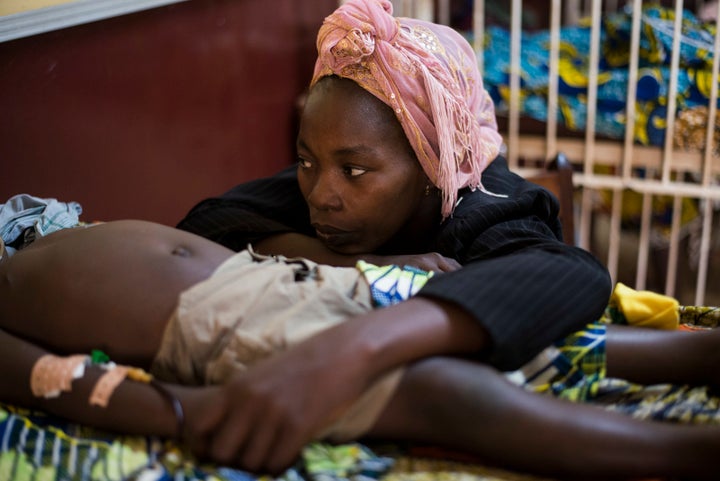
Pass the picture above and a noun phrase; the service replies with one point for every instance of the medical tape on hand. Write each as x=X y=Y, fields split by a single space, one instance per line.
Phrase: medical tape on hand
x=106 y=385
x=111 y=379
x=52 y=375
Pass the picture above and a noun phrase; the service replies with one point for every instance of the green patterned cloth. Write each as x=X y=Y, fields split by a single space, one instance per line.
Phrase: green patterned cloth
x=699 y=316
x=664 y=402
x=35 y=446
x=38 y=447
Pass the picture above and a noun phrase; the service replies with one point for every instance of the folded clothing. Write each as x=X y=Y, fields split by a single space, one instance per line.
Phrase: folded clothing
x=24 y=218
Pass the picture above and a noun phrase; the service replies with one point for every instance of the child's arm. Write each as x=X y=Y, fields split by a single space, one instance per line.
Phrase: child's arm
x=133 y=408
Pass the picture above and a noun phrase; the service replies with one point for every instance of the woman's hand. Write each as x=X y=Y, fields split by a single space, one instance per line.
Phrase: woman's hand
x=429 y=261
x=262 y=418
x=298 y=245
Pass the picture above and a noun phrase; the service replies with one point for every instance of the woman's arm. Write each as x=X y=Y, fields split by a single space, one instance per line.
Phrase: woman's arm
x=283 y=402
x=260 y=419
x=528 y=299
x=519 y=279
x=298 y=245
x=263 y=417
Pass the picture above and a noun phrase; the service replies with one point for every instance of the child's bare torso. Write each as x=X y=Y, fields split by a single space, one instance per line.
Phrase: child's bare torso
x=69 y=290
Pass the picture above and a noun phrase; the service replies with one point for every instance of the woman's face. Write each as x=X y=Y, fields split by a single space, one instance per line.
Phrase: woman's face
x=357 y=171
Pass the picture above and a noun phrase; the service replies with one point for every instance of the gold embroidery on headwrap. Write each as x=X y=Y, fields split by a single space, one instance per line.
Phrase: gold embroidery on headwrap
x=356 y=44
x=428 y=40
x=423 y=104
x=403 y=64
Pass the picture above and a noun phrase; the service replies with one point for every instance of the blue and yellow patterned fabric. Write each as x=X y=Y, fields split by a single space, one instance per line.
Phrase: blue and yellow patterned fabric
x=694 y=79
x=35 y=446
x=580 y=365
x=392 y=284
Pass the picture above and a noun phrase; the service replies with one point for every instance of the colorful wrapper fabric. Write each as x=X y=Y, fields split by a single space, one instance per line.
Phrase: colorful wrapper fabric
x=38 y=446
x=392 y=284
x=694 y=78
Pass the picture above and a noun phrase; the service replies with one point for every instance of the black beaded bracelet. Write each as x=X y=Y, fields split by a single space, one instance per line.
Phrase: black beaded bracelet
x=176 y=405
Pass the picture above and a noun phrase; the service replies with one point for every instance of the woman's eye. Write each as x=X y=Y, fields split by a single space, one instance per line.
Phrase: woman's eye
x=354 y=171
x=304 y=163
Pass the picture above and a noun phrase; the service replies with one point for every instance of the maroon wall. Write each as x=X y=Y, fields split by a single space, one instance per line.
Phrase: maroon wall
x=143 y=115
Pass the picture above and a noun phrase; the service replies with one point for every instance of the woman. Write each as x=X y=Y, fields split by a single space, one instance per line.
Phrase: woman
x=123 y=286
x=397 y=147
x=397 y=164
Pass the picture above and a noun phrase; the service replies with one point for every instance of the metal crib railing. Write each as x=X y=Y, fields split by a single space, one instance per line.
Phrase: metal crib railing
x=676 y=173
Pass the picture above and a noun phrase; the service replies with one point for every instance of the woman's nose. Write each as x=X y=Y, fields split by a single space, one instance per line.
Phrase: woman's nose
x=325 y=194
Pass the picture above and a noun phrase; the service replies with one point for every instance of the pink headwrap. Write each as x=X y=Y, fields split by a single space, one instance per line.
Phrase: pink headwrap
x=427 y=73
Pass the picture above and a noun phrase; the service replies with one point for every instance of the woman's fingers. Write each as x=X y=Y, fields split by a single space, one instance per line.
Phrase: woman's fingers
x=261 y=443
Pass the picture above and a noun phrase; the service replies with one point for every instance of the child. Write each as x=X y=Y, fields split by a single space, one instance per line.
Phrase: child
x=145 y=293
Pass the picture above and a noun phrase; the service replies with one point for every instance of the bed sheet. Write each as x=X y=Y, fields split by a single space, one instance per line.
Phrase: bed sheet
x=694 y=77
x=38 y=446
x=35 y=446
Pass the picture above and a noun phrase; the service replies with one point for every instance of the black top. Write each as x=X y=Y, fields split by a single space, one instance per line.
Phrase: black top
x=519 y=280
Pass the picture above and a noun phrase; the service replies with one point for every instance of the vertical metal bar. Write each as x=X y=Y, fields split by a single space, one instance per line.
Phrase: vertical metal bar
x=630 y=113
x=586 y=212
x=553 y=81
x=712 y=110
x=672 y=261
x=405 y=8
x=514 y=114
x=444 y=12
x=424 y=10
x=644 y=243
x=703 y=258
x=672 y=93
x=628 y=147
x=613 y=259
x=479 y=33
x=708 y=155
x=586 y=204
x=593 y=69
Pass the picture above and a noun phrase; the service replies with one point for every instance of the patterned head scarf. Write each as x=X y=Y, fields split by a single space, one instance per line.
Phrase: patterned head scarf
x=427 y=73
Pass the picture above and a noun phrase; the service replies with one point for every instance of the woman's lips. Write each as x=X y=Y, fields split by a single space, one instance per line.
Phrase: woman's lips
x=332 y=236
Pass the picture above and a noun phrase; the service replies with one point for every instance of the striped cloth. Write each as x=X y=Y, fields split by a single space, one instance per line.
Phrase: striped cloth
x=41 y=447
x=38 y=446
x=575 y=369
x=570 y=369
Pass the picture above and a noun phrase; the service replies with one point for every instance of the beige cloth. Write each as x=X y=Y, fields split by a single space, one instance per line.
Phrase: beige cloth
x=253 y=306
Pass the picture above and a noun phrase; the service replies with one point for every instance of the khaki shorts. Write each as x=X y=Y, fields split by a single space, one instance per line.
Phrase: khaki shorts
x=254 y=306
